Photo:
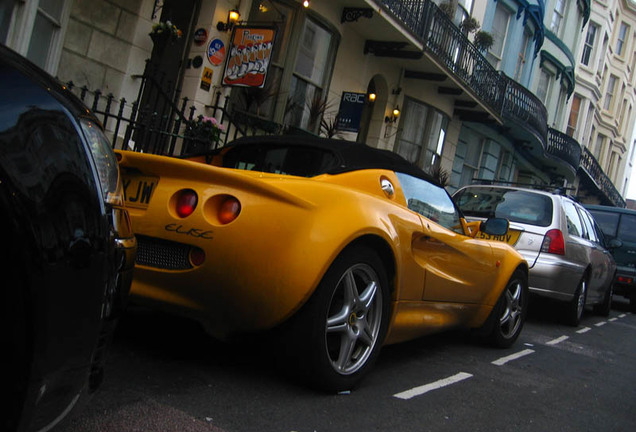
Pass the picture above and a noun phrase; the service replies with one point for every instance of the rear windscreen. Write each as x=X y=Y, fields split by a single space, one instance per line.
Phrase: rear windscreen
x=297 y=161
x=514 y=205
x=607 y=221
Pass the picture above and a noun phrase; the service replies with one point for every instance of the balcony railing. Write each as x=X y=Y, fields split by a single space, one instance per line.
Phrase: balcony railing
x=593 y=168
x=450 y=48
x=525 y=109
x=564 y=147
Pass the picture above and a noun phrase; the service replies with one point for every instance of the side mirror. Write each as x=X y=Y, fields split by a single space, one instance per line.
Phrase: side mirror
x=495 y=226
x=614 y=243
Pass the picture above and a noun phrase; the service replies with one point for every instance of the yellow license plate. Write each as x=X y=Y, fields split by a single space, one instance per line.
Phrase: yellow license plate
x=138 y=190
x=510 y=237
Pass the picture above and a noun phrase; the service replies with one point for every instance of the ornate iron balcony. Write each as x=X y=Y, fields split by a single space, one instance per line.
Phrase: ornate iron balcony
x=594 y=170
x=526 y=110
x=445 y=42
x=564 y=147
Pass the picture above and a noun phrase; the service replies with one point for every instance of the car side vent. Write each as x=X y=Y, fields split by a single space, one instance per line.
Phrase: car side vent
x=153 y=252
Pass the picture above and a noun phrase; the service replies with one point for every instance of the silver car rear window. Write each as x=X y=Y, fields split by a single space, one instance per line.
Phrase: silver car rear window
x=514 y=205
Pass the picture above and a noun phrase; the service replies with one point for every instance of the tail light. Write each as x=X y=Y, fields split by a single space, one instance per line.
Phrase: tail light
x=553 y=242
x=229 y=210
x=186 y=202
x=625 y=280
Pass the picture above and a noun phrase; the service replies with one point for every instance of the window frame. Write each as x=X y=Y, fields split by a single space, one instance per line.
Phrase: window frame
x=587 y=54
x=22 y=26
x=622 y=36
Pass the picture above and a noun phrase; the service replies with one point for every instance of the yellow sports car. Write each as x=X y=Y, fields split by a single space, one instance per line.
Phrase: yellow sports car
x=339 y=246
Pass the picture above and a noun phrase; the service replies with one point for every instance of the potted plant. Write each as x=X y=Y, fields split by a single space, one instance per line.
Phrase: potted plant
x=483 y=40
x=202 y=135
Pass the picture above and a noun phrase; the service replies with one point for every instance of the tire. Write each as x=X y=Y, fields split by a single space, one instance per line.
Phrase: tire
x=337 y=335
x=605 y=307
x=506 y=320
x=574 y=309
x=632 y=304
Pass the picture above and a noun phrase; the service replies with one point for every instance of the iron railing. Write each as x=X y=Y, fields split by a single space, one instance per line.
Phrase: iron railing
x=564 y=147
x=523 y=108
x=160 y=125
x=451 y=48
x=605 y=185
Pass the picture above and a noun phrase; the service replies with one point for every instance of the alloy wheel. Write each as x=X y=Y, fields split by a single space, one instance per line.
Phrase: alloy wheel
x=354 y=319
x=512 y=315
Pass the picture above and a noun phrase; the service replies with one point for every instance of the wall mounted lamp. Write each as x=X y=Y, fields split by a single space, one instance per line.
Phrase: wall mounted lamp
x=232 y=18
x=371 y=97
x=394 y=115
x=306 y=3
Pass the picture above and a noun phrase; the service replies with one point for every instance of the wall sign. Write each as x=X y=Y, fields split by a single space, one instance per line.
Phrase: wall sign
x=249 y=56
x=200 y=36
x=350 y=111
x=206 y=78
x=216 y=52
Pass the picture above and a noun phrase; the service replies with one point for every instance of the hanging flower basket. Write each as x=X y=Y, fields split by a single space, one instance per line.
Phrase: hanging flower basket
x=165 y=32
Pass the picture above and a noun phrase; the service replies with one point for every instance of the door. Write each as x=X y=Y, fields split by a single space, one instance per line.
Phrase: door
x=458 y=268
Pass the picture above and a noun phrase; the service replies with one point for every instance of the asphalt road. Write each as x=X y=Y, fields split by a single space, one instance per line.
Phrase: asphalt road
x=164 y=374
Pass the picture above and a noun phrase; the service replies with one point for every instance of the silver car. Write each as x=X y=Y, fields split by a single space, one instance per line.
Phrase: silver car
x=564 y=247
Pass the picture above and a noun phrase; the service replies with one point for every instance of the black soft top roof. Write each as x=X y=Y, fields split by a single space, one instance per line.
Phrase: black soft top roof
x=350 y=155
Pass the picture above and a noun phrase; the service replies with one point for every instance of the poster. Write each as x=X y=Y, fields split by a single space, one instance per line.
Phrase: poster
x=249 y=56
x=350 y=111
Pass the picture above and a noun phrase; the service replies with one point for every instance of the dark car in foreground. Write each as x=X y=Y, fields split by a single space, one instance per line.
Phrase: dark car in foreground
x=620 y=224
x=67 y=247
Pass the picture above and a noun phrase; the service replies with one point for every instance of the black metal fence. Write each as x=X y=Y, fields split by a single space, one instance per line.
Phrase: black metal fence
x=161 y=123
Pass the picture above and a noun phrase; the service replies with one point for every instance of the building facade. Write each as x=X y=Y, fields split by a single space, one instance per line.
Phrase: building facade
x=414 y=77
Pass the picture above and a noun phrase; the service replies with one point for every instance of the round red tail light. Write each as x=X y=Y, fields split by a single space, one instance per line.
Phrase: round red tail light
x=186 y=202
x=229 y=210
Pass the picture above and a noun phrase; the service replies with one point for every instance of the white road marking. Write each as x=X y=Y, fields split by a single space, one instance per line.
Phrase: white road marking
x=622 y=315
x=511 y=357
x=612 y=319
x=599 y=324
x=418 y=391
x=557 y=340
x=584 y=330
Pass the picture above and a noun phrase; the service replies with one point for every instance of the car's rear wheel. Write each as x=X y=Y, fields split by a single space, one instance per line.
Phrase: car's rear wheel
x=508 y=316
x=342 y=327
x=605 y=307
x=575 y=308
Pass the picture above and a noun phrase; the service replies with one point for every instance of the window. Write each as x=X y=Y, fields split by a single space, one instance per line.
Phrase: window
x=590 y=232
x=574 y=115
x=521 y=58
x=298 y=80
x=557 y=16
x=575 y=226
x=621 y=39
x=431 y=201
x=588 y=46
x=543 y=87
x=599 y=147
x=469 y=155
x=609 y=92
x=505 y=170
x=33 y=28
x=421 y=140
x=498 y=31
x=608 y=222
x=515 y=205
